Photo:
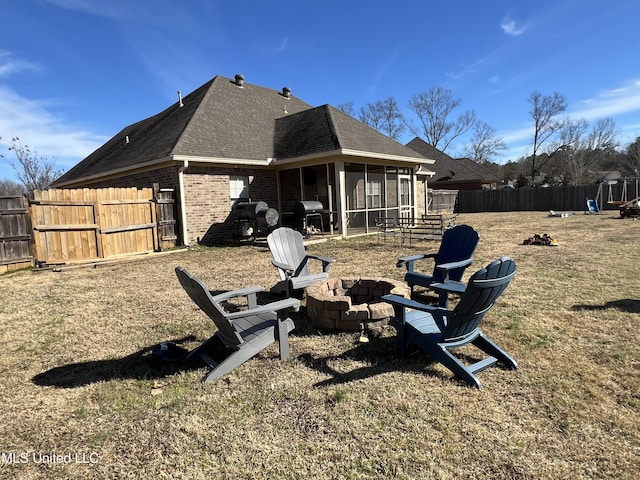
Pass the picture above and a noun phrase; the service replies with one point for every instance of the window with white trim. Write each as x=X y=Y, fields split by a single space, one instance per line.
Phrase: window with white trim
x=238 y=188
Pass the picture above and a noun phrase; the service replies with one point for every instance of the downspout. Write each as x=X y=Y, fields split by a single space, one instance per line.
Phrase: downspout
x=183 y=212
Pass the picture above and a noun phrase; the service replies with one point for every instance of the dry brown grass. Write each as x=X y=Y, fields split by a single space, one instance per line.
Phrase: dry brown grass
x=78 y=377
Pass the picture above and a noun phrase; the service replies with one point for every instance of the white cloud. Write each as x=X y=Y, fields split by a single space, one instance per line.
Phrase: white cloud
x=467 y=69
x=609 y=103
x=510 y=27
x=37 y=127
x=10 y=65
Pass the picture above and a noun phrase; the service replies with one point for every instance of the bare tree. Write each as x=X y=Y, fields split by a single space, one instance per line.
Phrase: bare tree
x=33 y=171
x=484 y=143
x=10 y=188
x=347 y=108
x=372 y=115
x=384 y=116
x=434 y=109
x=631 y=161
x=545 y=110
x=583 y=149
x=394 y=123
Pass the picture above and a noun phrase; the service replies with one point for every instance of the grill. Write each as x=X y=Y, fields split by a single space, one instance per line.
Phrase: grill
x=255 y=218
x=249 y=210
x=306 y=207
x=305 y=210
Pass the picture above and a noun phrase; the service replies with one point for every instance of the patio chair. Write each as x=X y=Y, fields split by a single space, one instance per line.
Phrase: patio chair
x=386 y=226
x=291 y=259
x=244 y=333
x=592 y=206
x=437 y=330
x=454 y=256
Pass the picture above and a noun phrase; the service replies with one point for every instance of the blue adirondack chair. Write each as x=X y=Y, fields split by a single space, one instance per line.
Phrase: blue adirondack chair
x=292 y=261
x=454 y=256
x=437 y=330
x=592 y=205
x=244 y=333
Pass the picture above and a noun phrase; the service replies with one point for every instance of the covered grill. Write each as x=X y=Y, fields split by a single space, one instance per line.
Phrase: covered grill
x=255 y=218
x=305 y=210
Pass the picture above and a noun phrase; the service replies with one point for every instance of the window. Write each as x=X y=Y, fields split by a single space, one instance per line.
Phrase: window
x=374 y=193
x=238 y=188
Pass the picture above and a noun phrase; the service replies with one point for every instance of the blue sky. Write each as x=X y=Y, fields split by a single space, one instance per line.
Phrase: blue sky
x=75 y=72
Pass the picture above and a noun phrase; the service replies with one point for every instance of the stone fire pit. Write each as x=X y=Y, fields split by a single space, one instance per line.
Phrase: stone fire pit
x=352 y=303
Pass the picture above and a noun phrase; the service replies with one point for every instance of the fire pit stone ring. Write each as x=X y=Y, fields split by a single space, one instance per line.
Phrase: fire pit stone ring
x=352 y=303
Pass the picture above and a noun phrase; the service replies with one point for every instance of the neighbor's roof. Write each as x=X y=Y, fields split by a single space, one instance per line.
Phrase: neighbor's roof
x=222 y=121
x=454 y=170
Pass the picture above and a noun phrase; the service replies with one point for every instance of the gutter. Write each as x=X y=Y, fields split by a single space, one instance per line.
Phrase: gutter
x=183 y=213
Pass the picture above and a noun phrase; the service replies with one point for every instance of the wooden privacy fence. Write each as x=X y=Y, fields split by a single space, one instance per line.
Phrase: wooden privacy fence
x=89 y=224
x=569 y=198
x=15 y=234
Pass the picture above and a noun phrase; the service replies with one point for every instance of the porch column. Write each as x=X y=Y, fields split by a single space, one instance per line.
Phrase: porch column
x=414 y=191
x=341 y=196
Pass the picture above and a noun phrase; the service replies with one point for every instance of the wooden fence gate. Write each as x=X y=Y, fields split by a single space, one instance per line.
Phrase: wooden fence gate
x=15 y=234
x=90 y=224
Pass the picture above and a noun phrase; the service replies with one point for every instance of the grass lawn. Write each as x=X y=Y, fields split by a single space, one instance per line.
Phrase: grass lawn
x=83 y=398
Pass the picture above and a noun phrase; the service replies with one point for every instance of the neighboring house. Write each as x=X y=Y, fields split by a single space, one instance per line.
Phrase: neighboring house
x=454 y=173
x=230 y=140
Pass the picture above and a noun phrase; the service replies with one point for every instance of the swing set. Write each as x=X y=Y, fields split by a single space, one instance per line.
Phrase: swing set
x=627 y=207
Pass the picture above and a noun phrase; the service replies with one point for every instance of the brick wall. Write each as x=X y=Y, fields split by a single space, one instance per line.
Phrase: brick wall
x=208 y=202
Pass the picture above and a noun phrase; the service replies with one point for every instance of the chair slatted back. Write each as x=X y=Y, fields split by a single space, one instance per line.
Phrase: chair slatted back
x=483 y=289
x=458 y=243
x=201 y=296
x=287 y=246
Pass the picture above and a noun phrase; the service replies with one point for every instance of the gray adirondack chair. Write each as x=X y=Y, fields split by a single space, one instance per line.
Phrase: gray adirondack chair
x=292 y=261
x=245 y=333
x=437 y=330
x=450 y=262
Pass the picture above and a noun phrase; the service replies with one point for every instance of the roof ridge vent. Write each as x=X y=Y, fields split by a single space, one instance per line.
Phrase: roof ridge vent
x=286 y=92
x=239 y=79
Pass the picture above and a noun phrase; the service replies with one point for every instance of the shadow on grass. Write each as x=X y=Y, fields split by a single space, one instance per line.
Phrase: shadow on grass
x=630 y=305
x=379 y=357
x=141 y=365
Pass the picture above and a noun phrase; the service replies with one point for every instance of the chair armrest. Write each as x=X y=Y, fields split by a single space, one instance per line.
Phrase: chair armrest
x=454 y=265
x=286 y=267
x=243 y=292
x=326 y=261
x=412 y=258
x=400 y=301
x=287 y=303
x=249 y=292
x=449 y=286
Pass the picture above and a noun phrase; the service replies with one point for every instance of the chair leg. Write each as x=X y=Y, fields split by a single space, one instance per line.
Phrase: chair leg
x=283 y=338
x=238 y=357
x=487 y=346
x=232 y=361
x=401 y=340
x=446 y=358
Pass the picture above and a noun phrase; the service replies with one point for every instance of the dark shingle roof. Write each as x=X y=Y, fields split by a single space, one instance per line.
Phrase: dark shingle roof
x=221 y=120
x=448 y=169
x=326 y=129
x=217 y=120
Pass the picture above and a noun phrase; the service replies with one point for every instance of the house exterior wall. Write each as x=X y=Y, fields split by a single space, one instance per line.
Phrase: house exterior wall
x=208 y=208
x=421 y=199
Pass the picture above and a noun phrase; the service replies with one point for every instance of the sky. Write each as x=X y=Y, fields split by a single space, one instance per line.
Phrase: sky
x=73 y=73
